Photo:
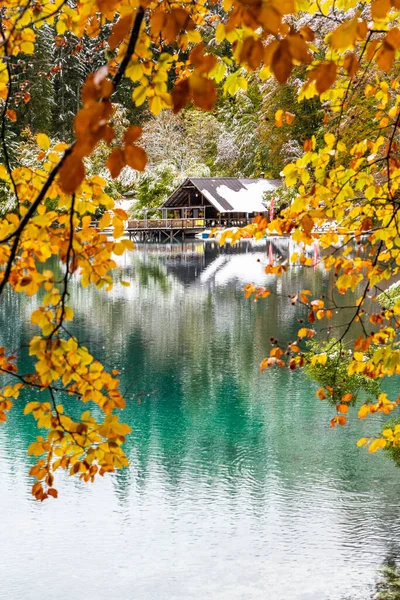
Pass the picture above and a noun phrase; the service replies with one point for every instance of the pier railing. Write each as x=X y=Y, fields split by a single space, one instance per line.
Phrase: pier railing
x=181 y=224
x=166 y=223
x=185 y=223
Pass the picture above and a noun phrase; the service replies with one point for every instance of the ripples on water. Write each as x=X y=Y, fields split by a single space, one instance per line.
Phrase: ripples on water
x=237 y=487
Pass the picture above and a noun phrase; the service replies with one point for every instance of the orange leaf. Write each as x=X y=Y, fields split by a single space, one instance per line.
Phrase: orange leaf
x=132 y=134
x=380 y=8
x=385 y=57
x=307 y=223
x=136 y=157
x=281 y=64
x=12 y=115
x=116 y=162
x=72 y=173
x=180 y=95
x=120 y=31
x=324 y=76
x=203 y=91
x=290 y=117
x=347 y=397
x=351 y=64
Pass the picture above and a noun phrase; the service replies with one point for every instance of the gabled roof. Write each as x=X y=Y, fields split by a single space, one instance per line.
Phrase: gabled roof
x=227 y=194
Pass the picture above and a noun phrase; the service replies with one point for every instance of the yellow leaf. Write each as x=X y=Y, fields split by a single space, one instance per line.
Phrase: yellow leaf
x=387 y=433
x=105 y=221
x=377 y=445
x=30 y=407
x=43 y=141
x=362 y=441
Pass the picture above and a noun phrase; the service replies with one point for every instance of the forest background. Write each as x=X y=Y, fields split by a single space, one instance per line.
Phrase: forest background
x=239 y=138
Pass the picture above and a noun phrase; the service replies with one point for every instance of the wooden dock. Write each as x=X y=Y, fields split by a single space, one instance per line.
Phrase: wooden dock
x=161 y=230
x=169 y=230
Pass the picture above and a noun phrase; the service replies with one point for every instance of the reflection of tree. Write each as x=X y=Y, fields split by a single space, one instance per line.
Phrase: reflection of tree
x=190 y=336
x=151 y=273
x=388 y=586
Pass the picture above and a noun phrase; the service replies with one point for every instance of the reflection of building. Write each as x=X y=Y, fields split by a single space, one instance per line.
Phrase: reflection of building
x=201 y=263
x=219 y=199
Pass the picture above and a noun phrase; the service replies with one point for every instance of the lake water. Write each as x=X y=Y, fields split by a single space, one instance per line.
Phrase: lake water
x=237 y=488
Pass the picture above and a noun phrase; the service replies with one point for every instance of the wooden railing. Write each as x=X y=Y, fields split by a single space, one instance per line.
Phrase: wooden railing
x=182 y=223
x=185 y=223
x=166 y=223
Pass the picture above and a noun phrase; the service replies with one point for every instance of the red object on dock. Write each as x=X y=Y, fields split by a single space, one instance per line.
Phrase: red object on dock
x=271 y=210
x=316 y=254
x=270 y=256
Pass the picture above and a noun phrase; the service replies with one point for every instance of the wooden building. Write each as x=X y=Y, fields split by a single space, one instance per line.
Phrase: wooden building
x=219 y=200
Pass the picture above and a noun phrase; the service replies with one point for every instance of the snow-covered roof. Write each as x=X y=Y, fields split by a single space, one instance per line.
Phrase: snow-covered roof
x=226 y=194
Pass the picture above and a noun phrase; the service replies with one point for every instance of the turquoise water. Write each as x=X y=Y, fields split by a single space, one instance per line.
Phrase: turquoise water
x=237 y=487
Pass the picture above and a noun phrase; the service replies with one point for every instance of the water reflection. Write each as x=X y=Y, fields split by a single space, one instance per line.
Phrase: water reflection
x=237 y=487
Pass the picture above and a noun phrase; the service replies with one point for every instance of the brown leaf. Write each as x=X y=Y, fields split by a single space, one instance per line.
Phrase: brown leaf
x=204 y=63
x=324 y=76
x=393 y=38
x=351 y=64
x=132 y=134
x=180 y=95
x=120 y=31
x=252 y=52
x=72 y=173
x=298 y=48
x=281 y=64
x=136 y=157
x=385 y=57
x=307 y=33
x=108 y=133
x=116 y=162
x=203 y=91
x=380 y=8
x=183 y=19
x=89 y=92
x=271 y=20
x=307 y=224
x=157 y=22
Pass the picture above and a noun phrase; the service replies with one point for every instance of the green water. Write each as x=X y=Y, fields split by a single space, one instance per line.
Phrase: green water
x=237 y=487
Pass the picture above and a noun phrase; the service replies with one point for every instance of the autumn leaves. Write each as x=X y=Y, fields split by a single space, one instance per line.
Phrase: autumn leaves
x=91 y=126
x=130 y=154
x=170 y=66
